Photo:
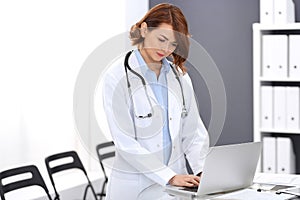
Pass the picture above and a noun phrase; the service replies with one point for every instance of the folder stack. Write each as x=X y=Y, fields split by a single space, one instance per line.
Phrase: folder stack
x=275 y=56
x=280 y=56
x=280 y=108
x=278 y=155
x=277 y=11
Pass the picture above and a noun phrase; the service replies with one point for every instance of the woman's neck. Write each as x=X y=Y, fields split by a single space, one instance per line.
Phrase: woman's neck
x=155 y=66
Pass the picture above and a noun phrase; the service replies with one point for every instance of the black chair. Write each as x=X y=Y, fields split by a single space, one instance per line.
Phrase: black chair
x=35 y=179
x=75 y=164
x=105 y=151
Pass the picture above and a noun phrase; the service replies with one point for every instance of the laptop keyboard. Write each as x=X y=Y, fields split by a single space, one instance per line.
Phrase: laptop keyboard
x=191 y=189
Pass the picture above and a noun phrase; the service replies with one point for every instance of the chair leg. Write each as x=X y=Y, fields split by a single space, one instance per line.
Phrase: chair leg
x=94 y=193
x=49 y=196
x=86 y=190
x=102 y=190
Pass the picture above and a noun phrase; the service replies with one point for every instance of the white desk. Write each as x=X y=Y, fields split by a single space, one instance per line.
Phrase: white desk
x=248 y=194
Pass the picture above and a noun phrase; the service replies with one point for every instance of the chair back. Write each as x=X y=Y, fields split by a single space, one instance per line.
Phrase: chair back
x=35 y=179
x=105 y=151
x=74 y=164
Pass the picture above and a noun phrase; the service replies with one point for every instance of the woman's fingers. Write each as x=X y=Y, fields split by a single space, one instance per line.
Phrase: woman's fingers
x=192 y=180
x=185 y=180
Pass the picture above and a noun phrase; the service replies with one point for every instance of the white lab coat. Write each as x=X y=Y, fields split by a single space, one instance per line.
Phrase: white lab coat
x=138 y=163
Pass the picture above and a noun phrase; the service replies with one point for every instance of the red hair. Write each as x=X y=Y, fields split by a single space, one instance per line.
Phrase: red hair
x=172 y=15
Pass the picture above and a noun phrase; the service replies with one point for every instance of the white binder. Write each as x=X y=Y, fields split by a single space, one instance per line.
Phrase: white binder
x=284 y=11
x=266 y=11
x=294 y=58
x=279 y=100
x=275 y=56
x=269 y=155
x=292 y=108
x=285 y=156
x=266 y=104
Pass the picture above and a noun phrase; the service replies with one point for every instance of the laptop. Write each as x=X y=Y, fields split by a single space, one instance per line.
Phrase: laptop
x=226 y=168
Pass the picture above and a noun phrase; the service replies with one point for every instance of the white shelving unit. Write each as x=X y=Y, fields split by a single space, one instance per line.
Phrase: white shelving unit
x=259 y=30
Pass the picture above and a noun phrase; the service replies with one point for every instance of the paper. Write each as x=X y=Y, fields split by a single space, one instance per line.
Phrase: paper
x=283 y=179
x=249 y=194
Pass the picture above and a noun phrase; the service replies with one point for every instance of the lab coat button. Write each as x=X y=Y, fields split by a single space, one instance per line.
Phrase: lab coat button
x=170 y=118
x=158 y=145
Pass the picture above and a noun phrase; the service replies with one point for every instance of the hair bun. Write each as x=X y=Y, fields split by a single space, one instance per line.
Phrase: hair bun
x=135 y=32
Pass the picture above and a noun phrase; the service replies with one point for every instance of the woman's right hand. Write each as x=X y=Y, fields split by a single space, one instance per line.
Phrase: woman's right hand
x=185 y=180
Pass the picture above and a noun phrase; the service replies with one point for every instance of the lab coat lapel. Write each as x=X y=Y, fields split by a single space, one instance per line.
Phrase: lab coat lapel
x=174 y=104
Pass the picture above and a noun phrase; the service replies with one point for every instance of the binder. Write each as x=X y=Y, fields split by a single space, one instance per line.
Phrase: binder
x=266 y=11
x=279 y=99
x=285 y=156
x=284 y=11
x=269 y=155
x=294 y=58
x=266 y=104
x=275 y=56
x=292 y=108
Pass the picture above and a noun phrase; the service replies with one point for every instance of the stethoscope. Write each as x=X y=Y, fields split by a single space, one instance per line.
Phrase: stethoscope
x=184 y=112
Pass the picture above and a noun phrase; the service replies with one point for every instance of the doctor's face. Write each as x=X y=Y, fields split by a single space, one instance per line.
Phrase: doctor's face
x=158 y=43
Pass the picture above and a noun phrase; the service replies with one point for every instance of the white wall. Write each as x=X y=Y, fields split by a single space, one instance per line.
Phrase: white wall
x=42 y=47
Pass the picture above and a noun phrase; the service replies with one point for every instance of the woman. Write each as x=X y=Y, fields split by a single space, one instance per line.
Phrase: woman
x=151 y=109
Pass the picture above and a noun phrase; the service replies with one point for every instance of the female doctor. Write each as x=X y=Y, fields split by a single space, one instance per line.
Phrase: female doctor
x=151 y=109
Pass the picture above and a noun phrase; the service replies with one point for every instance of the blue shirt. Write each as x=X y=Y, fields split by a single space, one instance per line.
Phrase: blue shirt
x=159 y=87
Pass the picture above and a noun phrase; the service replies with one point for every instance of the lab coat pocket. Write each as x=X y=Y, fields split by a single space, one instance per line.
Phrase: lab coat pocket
x=143 y=122
x=149 y=127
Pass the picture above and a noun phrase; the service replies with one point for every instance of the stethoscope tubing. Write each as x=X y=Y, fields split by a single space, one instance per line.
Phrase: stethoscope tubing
x=184 y=112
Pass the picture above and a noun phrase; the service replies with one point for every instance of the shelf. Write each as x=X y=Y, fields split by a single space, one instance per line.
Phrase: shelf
x=283 y=131
x=279 y=79
x=275 y=27
x=260 y=33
